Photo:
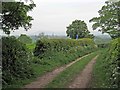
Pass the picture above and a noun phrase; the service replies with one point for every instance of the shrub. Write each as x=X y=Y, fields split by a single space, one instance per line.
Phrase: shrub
x=114 y=64
x=45 y=45
x=107 y=68
x=15 y=61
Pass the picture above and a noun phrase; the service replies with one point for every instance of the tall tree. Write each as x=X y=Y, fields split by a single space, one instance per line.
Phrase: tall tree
x=14 y=15
x=109 y=19
x=78 y=29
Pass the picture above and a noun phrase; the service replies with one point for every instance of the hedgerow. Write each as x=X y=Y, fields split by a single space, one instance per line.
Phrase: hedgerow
x=45 y=45
x=15 y=61
x=107 y=67
x=53 y=53
x=19 y=64
x=114 y=63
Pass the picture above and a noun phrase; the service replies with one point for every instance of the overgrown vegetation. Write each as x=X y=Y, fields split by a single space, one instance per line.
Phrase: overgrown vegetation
x=107 y=68
x=53 y=45
x=23 y=60
x=16 y=63
x=56 y=52
x=20 y=64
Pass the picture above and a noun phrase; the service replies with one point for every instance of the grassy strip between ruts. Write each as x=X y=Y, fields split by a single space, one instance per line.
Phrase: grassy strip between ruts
x=64 y=78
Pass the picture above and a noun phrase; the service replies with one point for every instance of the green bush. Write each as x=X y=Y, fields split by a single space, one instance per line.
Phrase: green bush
x=114 y=64
x=15 y=61
x=25 y=39
x=52 y=53
x=45 y=45
x=107 y=67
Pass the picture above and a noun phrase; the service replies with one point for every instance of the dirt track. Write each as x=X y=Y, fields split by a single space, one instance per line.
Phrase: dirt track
x=84 y=78
x=48 y=77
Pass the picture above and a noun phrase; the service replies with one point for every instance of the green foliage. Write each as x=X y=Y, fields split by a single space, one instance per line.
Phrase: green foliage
x=31 y=46
x=15 y=61
x=109 y=19
x=101 y=74
x=14 y=15
x=79 y=28
x=45 y=45
x=107 y=68
x=48 y=52
x=114 y=52
x=53 y=53
x=25 y=39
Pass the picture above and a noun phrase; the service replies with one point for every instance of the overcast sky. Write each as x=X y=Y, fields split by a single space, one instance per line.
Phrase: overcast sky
x=53 y=16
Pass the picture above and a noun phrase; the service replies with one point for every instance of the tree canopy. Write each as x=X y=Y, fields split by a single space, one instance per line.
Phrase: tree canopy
x=78 y=29
x=15 y=15
x=109 y=19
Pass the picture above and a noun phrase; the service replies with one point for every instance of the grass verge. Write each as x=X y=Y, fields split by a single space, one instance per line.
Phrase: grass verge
x=101 y=71
x=63 y=79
